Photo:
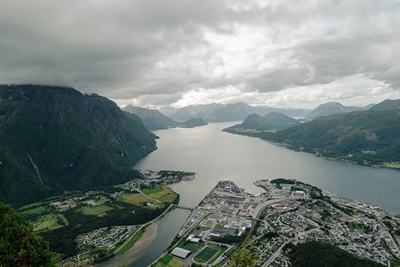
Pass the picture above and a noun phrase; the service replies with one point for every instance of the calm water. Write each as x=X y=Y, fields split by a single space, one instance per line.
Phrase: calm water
x=215 y=155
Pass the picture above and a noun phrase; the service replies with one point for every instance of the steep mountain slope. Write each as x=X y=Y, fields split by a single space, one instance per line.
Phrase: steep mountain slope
x=330 y=108
x=387 y=104
x=291 y=112
x=152 y=119
x=368 y=137
x=56 y=139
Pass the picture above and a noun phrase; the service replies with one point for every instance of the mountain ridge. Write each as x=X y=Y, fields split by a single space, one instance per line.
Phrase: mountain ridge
x=55 y=139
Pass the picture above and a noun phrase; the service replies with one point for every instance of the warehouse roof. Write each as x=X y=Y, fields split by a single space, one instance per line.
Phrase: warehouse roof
x=181 y=253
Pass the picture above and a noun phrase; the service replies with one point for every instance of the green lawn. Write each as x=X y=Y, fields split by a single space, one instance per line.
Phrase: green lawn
x=97 y=210
x=165 y=194
x=36 y=210
x=49 y=222
x=193 y=247
x=149 y=191
x=206 y=254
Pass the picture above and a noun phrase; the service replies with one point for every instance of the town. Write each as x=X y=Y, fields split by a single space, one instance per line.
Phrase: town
x=288 y=212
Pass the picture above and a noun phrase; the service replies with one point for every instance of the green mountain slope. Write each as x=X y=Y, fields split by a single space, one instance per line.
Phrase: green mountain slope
x=152 y=119
x=254 y=124
x=56 y=139
x=330 y=108
x=191 y=123
x=368 y=137
x=387 y=104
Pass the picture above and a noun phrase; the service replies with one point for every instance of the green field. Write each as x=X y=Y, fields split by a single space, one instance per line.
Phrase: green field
x=36 y=210
x=137 y=199
x=165 y=194
x=149 y=191
x=221 y=250
x=193 y=247
x=206 y=254
x=97 y=210
x=49 y=222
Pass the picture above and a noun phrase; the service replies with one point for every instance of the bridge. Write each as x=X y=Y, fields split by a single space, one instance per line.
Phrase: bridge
x=183 y=207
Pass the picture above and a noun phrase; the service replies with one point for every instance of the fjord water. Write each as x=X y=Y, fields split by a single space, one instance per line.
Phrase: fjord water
x=215 y=155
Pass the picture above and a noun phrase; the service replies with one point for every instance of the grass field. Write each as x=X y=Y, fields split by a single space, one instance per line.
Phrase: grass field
x=169 y=261
x=193 y=247
x=96 y=210
x=206 y=254
x=155 y=190
x=36 y=210
x=49 y=222
x=392 y=165
x=221 y=250
x=165 y=195
x=175 y=262
x=136 y=199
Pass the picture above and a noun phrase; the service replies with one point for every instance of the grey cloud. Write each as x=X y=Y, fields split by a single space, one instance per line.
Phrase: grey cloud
x=158 y=50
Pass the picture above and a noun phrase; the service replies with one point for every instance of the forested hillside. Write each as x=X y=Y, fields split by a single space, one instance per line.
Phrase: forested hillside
x=55 y=138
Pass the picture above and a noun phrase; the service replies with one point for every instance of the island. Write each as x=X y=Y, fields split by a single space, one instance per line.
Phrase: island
x=281 y=225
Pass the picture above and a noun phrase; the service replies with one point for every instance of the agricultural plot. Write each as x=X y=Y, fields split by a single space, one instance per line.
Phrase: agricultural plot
x=49 y=222
x=137 y=199
x=206 y=254
x=36 y=210
x=164 y=195
x=96 y=210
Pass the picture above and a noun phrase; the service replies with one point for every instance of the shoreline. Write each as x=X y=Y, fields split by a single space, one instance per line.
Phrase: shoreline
x=137 y=250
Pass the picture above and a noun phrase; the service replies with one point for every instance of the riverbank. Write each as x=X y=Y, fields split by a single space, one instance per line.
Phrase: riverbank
x=137 y=250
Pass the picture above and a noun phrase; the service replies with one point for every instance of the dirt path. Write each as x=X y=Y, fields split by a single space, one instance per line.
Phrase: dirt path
x=137 y=250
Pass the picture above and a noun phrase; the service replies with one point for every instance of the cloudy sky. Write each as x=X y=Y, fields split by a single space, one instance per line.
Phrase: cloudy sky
x=182 y=52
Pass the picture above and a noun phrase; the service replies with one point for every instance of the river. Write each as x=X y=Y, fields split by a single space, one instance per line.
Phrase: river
x=215 y=155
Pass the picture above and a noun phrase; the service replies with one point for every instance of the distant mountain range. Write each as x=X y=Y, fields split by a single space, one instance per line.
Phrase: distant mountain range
x=155 y=120
x=55 y=139
x=370 y=137
x=331 y=108
x=230 y=112
x=152 y=119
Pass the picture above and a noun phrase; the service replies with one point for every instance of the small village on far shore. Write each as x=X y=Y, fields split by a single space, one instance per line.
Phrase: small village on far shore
x=288 y=211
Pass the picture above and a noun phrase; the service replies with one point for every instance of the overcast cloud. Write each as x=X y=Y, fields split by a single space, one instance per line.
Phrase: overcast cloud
x=181 y=52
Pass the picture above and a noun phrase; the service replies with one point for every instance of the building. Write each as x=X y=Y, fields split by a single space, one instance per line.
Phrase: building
x=181 y=253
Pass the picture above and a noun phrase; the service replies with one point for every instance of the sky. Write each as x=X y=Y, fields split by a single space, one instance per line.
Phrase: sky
x=182 y=52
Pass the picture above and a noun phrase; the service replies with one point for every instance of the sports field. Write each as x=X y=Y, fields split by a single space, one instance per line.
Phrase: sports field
x=206 y=254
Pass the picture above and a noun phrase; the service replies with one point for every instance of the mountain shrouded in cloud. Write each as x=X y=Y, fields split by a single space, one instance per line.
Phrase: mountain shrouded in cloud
x=274 y=53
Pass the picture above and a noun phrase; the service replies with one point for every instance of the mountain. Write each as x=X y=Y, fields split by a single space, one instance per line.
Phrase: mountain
x=329 y=109
x=367 y=137
x=255 y=124
x=191 y=123
x=56 y=139
x=167 y=110
x=387 y=104
x=291 y=112
x=230 y=112
x=152 y=119
x=196 y=111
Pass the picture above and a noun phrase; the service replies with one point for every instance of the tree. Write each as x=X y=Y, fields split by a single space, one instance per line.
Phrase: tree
x=19 y=245
x=243 y=258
